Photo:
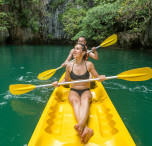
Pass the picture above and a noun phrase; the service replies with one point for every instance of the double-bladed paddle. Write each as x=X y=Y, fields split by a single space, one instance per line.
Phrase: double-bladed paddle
x=49 y=73
x=139 y=74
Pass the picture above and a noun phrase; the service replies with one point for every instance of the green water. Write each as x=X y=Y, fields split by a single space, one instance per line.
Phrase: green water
x=21 y=65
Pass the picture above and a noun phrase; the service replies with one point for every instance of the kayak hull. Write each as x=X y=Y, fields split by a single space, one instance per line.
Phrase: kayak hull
x=56 y=125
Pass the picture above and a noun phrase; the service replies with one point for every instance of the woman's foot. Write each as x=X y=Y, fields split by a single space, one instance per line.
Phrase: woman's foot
x=86 y=135
x=79 y=128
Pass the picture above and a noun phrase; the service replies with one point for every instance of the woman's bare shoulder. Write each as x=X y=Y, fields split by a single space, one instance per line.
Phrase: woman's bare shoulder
x=89 y=63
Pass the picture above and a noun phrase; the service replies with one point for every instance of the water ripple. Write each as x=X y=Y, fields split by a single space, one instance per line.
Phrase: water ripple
x=34 y=96
x=3 y=103
x=142 y=88
x=138 y=88
x=39 y=95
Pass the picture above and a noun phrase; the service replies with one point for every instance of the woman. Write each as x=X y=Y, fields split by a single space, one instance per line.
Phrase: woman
x=80 y=95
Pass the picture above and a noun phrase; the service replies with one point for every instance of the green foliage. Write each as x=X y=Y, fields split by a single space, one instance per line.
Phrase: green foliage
x=98 y=2
x=56 y=3
x=25 y=14
x=113 y=16
x=103 y=19
x=1 y=2
x=71 y=19
x=50 y=36
x=24 y=17
x=134 y=14
x=98 y=22
x=82 y=3
x=3 y=22
x=34 y=24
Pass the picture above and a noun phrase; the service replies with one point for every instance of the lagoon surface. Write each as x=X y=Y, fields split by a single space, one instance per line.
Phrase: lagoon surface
x=21 y=65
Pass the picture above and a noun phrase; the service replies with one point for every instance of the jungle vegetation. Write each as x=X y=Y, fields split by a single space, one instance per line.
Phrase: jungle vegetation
x=96 y=20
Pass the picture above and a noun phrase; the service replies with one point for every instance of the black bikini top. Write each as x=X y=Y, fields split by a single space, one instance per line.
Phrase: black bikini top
x=77 y=77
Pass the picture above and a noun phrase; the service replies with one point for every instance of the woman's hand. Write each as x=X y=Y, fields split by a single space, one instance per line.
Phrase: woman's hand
x=64 y=64
x=101 y=78
x=55 y=84
x=94 y=49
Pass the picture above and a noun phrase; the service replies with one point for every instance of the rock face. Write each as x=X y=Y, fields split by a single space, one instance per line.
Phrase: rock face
x=146 y=40
x=54 y=29
x=129 y=40
x=136 y=40
x=20 y=35
x=3 y=36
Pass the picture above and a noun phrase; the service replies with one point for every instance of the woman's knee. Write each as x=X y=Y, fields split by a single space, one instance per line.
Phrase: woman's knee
x=74 y=101
x=86 y=97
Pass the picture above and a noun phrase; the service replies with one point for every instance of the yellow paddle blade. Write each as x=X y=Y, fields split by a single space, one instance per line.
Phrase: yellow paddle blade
x=109 y=41
x=21 y=88
x=139 y=74
x=46 y=74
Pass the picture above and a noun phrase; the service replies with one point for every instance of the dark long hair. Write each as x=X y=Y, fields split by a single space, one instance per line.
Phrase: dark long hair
x=83 y=49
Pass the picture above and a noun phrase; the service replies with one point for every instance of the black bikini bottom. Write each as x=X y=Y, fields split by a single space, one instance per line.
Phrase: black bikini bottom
x=79 y=91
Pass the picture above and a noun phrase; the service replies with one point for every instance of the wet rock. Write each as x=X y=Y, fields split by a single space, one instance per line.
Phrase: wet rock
x=146 y=39
x=3 y=36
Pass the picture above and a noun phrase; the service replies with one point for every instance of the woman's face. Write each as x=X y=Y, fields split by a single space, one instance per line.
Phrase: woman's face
x=78 y=52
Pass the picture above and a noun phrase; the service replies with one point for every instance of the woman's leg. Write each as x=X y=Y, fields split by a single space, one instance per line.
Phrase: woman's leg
x=83 y=111
x=84 y=107
x=74 y=99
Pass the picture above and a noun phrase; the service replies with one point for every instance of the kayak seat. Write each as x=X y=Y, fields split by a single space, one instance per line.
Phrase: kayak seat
x=66 y=86
x=62 y=94
x=97 y=95
x=107 y=124
x=93 y=85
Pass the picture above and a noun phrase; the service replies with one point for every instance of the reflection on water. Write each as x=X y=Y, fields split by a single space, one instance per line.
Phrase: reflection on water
x=22 y=108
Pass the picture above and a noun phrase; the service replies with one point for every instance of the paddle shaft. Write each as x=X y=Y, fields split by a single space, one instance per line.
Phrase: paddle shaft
x=79 y=81
x=74 y=59
x=96 y=79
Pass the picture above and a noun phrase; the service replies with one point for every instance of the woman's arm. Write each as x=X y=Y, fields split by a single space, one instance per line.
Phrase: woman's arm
x=94 y=54
x=68 y=58
x=66 y=78
x=67 y=73
x=94 y=72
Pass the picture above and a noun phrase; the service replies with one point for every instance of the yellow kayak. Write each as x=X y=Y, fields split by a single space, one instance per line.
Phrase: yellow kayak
x=56 y=125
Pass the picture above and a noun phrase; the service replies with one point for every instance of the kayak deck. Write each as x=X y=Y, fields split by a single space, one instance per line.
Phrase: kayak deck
x=56 y=125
